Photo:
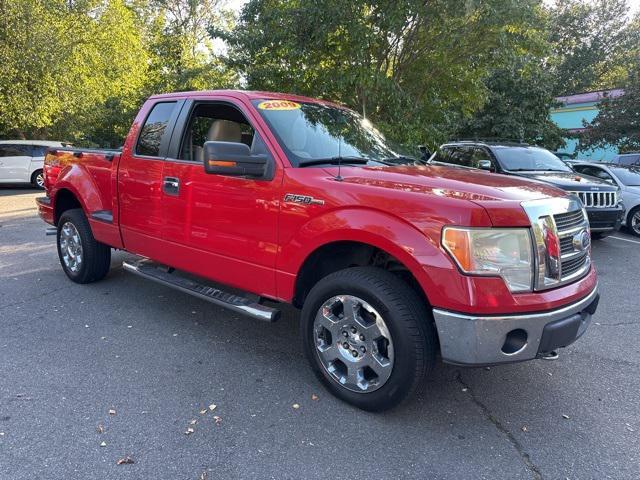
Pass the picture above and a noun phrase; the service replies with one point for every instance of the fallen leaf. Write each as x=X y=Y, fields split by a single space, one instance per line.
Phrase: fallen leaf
x=103 y=444
x=296 y=406
x=217 y=419
x=129 y=326
x=125 y=460
x=112 y=411
x=524 y=428
x=100 y=428
x=1 y=434
x=203 y=411
x=314 y=397
x=212 y=407
x=189 y=431
x=193 y=422
x=175 y=334
x=203 y=476
x=566 y=417
x=465 y=389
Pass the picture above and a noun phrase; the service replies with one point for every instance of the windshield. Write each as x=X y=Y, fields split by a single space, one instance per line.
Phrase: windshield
x=529 y=158
x=312 y=132
x=628 y=176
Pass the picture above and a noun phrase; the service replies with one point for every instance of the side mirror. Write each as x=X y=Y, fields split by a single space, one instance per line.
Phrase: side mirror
x=424 y=152
x=231 y=158
x=485 y=165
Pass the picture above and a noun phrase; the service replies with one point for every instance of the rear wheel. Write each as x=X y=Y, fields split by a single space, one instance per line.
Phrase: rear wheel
x=368 y=337
x=37 y=179
x=633 y=221
x=82 y=257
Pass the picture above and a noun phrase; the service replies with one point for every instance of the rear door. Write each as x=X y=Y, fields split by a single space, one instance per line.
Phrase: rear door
x=218 y=226
x=15 y=161
x=141 y=212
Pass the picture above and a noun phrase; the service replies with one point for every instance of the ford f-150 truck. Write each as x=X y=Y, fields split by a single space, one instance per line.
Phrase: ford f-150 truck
x=393 y=263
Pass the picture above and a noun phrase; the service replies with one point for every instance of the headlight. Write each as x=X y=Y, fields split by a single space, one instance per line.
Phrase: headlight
x=503 y=252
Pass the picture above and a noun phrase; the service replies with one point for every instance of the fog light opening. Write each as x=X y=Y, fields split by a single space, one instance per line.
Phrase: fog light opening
x=516 y=340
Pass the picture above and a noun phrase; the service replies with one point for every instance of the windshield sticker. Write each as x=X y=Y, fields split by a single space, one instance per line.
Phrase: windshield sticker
x=279 y=105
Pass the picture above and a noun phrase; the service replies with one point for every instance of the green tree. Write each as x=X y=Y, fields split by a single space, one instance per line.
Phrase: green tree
x=65 y=64
x=414 y=67
x=618 y=119
x=591 y=42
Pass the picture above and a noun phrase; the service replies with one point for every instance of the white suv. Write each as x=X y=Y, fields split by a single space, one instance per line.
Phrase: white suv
x=21 y=161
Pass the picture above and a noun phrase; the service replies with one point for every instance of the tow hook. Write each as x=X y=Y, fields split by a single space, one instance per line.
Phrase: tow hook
x=552 y=355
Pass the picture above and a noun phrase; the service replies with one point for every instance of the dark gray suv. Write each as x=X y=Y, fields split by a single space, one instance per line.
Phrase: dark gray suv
x=600 y=198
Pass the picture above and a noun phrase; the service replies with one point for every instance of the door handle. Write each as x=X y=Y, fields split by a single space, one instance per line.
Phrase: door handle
x=171 y=185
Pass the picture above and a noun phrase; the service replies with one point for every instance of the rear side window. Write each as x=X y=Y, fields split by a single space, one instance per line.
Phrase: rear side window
x=461 y=156
x=154 y=129
x=14 y=151
x=38 y=150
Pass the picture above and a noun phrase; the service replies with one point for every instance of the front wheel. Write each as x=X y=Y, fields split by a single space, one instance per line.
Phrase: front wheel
x=82 y=257
x=633 y=221
x=368 y=336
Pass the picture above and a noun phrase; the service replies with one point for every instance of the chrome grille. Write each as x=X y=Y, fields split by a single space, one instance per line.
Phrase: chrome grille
x=573 y=265
x=574 y=260
x=569 y=220
x=560 y=230
x=598 y=199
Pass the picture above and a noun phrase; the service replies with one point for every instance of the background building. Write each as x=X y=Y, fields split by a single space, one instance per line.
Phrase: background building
x=574 y=111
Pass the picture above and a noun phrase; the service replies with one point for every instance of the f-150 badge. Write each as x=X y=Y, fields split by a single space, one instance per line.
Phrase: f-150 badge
x=302 y=199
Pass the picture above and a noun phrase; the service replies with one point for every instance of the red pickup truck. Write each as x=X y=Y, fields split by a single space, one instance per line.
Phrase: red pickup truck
x=296 y=200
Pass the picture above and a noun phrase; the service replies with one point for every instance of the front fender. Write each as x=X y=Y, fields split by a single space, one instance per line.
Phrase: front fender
x=387 y=232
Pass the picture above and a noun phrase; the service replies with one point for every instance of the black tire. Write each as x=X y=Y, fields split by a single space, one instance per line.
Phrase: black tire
x=96 y=256
x=409 y=322
x=600 y=235
x=37 y=181
x=633 y=231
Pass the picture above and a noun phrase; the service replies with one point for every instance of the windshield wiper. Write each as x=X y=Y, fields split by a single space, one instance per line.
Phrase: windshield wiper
x=400 y=160
x=334 y=161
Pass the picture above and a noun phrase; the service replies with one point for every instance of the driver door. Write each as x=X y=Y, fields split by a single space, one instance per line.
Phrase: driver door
x=228 y=223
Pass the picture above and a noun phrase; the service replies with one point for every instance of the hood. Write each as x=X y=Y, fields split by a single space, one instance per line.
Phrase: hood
x=452 y=182
x=570 y=181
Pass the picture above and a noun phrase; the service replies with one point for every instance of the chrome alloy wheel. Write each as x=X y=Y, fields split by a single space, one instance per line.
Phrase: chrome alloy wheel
x=71 y=247
x=40 y=180
x=353 y=343
x=635 y=223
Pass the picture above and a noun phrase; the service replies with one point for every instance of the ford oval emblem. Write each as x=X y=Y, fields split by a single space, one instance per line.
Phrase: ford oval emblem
x=581 y=241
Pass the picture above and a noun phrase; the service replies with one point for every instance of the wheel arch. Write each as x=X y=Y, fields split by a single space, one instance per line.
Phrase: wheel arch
x=342 y=254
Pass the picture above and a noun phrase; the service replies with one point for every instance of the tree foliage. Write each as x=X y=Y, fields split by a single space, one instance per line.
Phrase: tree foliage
x=591 y=41
x=414 y=67
x=79 y=70
x=618 y=119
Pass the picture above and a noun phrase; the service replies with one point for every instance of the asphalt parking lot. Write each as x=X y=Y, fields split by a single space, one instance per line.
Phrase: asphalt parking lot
x=122 y=368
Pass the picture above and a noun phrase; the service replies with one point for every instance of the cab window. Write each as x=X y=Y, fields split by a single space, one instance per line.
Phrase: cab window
x=154 y=129
x=218 y=122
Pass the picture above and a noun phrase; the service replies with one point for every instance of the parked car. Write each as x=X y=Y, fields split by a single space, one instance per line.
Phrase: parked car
x=627 y=178
x=302 y=201
x=600 y=198
x=21 y=161
x=564 y=155
x=632 y=158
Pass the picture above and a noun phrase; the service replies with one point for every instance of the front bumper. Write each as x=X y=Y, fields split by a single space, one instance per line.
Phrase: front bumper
x=488 y=340
x=605 y=219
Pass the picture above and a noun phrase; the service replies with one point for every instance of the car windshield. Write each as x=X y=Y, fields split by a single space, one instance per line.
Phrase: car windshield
x=529 y=158
x=628 y=176
x=316 y=134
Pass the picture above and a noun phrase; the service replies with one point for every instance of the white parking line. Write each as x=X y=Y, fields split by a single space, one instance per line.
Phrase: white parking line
x=625 y=239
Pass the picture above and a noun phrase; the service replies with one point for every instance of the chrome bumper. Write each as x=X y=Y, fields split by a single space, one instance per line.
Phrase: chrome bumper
x=479 y=340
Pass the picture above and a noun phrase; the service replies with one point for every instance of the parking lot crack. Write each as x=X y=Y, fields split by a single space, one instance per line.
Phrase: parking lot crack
x=617 y=324
x=526 y=459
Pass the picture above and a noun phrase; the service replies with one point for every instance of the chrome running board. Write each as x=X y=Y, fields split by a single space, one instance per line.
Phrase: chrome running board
x=171 y=278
